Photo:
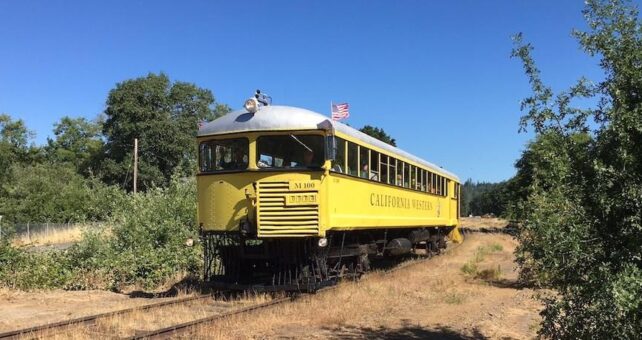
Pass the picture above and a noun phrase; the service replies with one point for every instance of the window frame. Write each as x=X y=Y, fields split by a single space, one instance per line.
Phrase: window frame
x=214 y=171
x=291 y=168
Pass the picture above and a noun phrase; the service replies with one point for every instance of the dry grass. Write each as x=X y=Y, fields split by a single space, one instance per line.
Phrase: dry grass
x=55 y=236
x=478 y=222
x=471 y=268
x=429 y=296
x=428 y=299
x=133 y=323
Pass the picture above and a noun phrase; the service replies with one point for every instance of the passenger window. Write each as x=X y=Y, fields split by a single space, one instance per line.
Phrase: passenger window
x=364 y=162
x=427 y=182
x=406 y=175
x=353 y=161
x=384 y=169
x=220 y=155
x=422 y=179
x=439 y=183
x=374 y=166
x=413 y=182
x=394 y=176
x=338 y=164
x=446 y=182
x=431 y=183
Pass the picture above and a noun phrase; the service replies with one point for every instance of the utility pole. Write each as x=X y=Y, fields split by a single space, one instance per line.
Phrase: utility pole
x=135 y=163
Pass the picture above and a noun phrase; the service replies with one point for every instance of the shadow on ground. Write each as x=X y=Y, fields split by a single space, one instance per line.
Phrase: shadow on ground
x=404 y=332
x=188 y=284
x=510 y=284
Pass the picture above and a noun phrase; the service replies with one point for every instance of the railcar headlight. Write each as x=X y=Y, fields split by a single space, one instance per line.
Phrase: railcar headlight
x=323 y=242
x=251 y=105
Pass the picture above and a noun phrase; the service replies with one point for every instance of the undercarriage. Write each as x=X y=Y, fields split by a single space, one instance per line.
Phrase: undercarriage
x=233 y=261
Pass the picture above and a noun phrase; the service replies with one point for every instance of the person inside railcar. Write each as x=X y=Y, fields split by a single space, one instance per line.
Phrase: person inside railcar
x=364 y=170
x=238 y=161
x=308 y=158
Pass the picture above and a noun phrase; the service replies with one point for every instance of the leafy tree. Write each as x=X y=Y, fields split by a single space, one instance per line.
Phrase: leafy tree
x=14 y=138
x=14 y=146
x=55 y=193
x=164 y=116
x=582 y=227
x=484 y=198
x=379 y=134
x=77 y=141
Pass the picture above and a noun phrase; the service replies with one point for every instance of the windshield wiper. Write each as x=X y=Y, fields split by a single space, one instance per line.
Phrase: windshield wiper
x=302 y=144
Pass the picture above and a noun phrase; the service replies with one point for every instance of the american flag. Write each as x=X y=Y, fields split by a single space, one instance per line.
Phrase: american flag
x=340 y=111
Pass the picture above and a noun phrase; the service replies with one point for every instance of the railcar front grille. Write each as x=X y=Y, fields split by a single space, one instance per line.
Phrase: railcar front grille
x=283 y=213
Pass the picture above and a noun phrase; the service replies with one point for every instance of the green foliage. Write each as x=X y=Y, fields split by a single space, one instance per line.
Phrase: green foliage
x=484 y=198
x=55 y=193
x=582 y=213
x=164 y=116
x=14 y=137
x=77 y=142
x=145 y=248
x=471 y=267
x=379 y=134
x=148 y=243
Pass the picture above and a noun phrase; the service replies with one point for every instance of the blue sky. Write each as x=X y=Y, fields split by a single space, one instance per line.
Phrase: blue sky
x=436 y=75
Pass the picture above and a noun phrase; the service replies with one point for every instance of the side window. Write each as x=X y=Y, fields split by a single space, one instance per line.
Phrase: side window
x=401 y=166
x=407 y=176
x=446 y=187
x=227 y=154
x=384 y=169
x=353 y=161
x=393 y=174
x=338 y=164
x=431 y=183
x=439 y=185
x=374 y=166
x=422 y=179
x=415 y=177
x=364 y=162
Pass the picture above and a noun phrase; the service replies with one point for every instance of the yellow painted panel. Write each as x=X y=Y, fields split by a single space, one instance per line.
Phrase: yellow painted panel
x=356 y=203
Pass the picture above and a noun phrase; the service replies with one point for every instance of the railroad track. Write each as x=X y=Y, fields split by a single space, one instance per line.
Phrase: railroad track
x=185 y=327
x=91 y=319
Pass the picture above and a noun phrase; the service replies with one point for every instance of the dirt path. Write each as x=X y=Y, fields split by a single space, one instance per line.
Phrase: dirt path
x=434 y=299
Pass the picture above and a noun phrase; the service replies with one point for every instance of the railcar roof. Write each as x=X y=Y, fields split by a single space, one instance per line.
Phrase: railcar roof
x=284 y=118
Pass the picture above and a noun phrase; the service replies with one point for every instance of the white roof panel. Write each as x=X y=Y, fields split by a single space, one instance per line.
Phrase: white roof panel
x=279 y=118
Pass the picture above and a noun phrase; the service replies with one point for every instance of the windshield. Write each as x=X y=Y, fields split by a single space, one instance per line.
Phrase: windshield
x=290 y=151
x=221 y=155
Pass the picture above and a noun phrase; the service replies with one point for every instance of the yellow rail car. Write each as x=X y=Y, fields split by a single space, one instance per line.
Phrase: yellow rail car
x=287 y=197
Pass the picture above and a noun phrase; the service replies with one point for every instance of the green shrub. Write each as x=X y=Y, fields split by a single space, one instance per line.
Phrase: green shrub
x=148 y=242
x=144 y=248
x=469 y=268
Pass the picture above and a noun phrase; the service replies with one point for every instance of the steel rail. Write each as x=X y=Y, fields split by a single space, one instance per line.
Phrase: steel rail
x=91 y=319
x=182 y=328
x=170 y=331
